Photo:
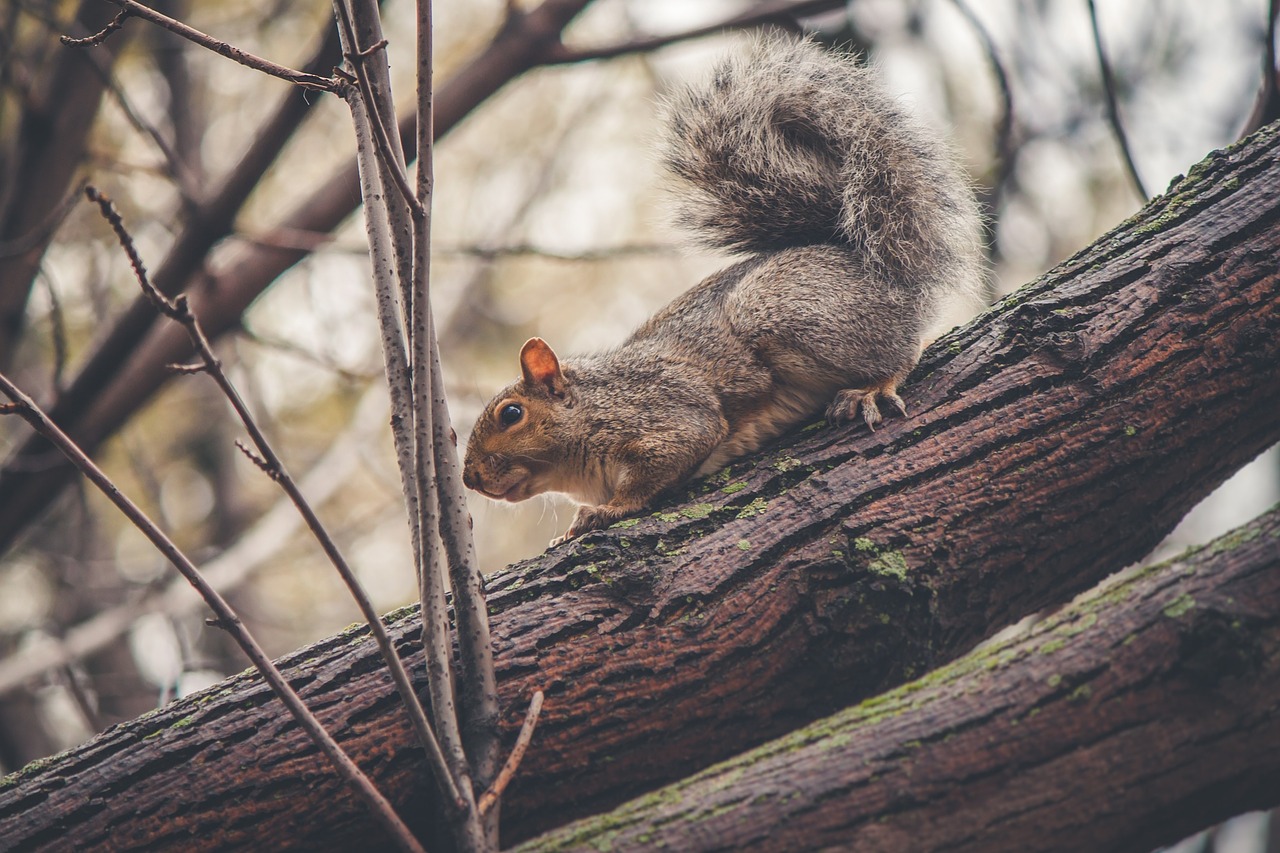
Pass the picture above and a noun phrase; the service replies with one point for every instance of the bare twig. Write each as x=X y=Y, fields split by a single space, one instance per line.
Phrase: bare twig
x=257 y=63
x=1004 y=135
x=1113 y=108
x=477 y=834
x=490 y=797
x=517 y=250
x=101 y=35
x=57 y=330
x=436 y=450
x=266 y=459
x=26 y=408
x=770 y=12
x=75 y=677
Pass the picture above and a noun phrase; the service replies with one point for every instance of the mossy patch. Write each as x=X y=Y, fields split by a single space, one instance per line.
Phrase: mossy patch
x=787 y=463
x=756 y=507
x=1180 y=606
x=890 y=563
x=744 y=545
x=1052 y=646
x=734 y=488
x=697 y=511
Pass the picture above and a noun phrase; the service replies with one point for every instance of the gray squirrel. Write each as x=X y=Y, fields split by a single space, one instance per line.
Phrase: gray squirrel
x=857 y=225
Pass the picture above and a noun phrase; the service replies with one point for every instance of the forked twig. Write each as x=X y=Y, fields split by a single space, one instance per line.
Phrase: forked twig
x=490 y=797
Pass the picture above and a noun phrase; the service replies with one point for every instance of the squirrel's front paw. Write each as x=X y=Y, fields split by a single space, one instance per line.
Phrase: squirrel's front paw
x=844 y=408
x=589 y=518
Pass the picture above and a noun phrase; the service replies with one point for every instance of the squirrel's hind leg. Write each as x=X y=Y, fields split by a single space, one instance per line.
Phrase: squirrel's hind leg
x=844 y=408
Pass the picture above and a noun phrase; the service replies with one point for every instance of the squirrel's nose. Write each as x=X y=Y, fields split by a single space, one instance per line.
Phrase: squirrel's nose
x=470 y=479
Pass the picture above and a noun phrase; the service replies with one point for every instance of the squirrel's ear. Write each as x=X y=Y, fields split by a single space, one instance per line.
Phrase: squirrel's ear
x=541 y=367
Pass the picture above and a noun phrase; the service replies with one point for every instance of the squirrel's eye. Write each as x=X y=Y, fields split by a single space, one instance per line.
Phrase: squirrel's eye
x=511 y=413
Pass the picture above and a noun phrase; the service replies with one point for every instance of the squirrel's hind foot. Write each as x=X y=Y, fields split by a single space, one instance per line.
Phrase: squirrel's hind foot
x=844 y=408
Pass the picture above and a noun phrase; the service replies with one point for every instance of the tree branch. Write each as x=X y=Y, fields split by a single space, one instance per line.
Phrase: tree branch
x=1125 y=722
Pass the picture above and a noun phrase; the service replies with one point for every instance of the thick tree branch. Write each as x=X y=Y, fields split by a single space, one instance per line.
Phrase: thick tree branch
x=1125 y=722
x=1055 y=440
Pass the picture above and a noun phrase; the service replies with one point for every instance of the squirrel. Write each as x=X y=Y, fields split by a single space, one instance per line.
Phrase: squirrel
x=856 y=223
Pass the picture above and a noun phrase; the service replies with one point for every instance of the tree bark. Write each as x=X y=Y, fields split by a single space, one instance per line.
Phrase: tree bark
x=1056 y=439
x=1125 y=722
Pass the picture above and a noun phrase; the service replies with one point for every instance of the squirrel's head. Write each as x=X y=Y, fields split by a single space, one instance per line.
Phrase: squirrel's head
x=517 y=446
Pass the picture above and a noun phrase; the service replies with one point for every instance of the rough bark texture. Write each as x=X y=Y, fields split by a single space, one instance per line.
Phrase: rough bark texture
x=1053 y=441
x=1126 y=721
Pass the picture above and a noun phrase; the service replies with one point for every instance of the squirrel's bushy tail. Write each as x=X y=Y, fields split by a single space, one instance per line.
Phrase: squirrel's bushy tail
x=792 y=145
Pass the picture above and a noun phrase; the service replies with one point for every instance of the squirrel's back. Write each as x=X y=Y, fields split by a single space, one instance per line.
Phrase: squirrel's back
x=792 y=145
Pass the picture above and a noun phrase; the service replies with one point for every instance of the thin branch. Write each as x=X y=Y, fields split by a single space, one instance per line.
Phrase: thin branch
x=772 y=12
x=1113 y=108
x=491 y=797
x=257 y=63
x=26 y=408
x=178 y=310
x=375 y=83
x=1004 y=135
x=101 y=35
x=473 y=833
x=436 y=448
x=57 y=331
x=492 y=253
x=1267 y=106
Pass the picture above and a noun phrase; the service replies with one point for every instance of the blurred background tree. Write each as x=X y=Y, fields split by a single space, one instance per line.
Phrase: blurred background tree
x=550 y=219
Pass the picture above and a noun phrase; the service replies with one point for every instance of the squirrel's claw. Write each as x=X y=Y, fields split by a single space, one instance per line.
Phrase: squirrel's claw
x=844 y=408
